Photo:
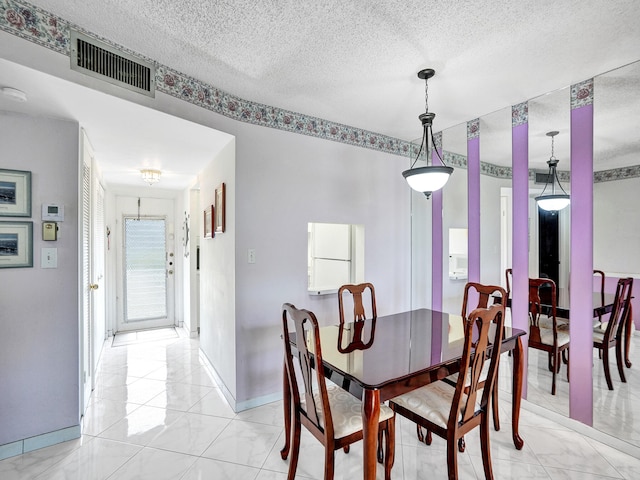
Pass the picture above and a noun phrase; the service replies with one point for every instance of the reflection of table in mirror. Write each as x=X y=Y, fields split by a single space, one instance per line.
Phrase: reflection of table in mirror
x=411 y=349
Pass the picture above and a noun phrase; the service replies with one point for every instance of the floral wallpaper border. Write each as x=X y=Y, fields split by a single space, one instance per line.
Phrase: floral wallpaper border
x=43 y=28
x=582 y=94
x=473 y=128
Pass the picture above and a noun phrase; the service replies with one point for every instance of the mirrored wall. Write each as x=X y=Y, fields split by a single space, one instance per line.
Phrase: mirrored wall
x=616 y=192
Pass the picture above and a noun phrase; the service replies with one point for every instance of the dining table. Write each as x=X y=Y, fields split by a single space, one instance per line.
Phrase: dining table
x=408 y=350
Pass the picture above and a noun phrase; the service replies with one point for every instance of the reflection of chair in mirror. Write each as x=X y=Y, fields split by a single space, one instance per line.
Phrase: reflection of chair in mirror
x=600 y=273
x=330 y=413
x=611 y=333
x=352 y=295
x=452 y=411
x=546 y=336
x=508 y=275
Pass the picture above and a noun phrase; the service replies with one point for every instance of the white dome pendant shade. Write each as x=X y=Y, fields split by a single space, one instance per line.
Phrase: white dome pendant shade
x=429 y=178
x=552 y=202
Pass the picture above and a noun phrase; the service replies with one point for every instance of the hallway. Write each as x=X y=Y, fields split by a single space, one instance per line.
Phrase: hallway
x=156 y=415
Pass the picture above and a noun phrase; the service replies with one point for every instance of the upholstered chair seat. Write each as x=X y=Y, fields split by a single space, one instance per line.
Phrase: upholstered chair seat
x=433 y=402
x=346 y=411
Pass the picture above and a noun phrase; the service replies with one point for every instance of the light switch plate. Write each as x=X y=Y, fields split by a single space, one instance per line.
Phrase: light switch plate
x=49 y=258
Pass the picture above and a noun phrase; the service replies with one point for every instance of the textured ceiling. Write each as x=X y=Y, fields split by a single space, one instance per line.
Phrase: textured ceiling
x=355 y=62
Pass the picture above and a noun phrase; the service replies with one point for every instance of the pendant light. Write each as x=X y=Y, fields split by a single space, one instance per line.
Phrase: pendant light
x=429 y=178
x=553 y=201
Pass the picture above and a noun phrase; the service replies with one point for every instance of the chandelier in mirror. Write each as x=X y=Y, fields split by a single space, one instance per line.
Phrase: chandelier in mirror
x=553 y=200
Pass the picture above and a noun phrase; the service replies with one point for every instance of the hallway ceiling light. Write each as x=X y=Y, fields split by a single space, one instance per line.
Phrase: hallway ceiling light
x=553 y=201
x=14 y=94
x=429 y=178
x=150 y=176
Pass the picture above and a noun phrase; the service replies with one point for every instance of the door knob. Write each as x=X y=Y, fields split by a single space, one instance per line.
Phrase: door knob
x=93 y=286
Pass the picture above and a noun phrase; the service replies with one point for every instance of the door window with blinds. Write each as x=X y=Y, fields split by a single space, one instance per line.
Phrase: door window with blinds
x=336 y=256
x=145 y=268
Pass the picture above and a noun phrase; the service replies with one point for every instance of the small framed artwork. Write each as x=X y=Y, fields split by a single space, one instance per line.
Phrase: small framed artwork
x=16 y=244
x=219 y=209
x=15 y=193
x=208 y=222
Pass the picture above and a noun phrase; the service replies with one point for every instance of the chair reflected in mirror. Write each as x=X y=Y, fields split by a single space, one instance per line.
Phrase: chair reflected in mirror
x=610 y=334
x=544 y=330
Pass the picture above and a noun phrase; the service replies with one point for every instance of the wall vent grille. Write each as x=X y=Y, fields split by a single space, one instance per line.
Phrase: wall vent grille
x=542 y=178
x=99 y=60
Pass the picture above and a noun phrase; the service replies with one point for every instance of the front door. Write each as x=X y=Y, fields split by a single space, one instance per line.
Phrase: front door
x=147 y=268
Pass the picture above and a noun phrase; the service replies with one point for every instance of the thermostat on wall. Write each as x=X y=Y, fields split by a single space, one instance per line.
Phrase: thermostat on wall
x=52 y=213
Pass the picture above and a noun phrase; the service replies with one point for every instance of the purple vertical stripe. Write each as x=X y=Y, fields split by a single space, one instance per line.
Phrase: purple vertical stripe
x=520 y=237
x=473 y=207
x=437 y=329
x=437 y=250
x=581 y=392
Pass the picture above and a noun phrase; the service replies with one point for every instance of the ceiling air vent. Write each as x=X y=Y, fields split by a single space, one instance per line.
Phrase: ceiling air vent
x=99 y=60
x=542 y=178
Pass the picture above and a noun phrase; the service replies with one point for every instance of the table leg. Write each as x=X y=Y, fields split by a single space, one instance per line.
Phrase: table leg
x=286 y=403
x=518 y=374
x=627 y=340
x=370 y=425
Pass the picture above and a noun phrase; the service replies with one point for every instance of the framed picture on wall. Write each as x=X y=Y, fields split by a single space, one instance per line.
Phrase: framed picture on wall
x=16 y=244
x=220 y=209
x=15 y=193
x=208 y=222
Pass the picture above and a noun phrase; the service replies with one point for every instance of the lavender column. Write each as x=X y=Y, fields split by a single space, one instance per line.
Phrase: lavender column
x=520 y=225
x=581 y=366
x=473 y=199
x=437 y=250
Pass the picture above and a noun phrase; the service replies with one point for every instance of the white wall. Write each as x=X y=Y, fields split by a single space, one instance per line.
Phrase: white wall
x=284 y=181
x=454 y=215
x=490 y=239
x=39 y=344
x=218 y=285
x=616 y=223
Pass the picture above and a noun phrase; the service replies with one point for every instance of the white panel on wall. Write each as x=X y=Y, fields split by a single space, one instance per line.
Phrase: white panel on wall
x=332 y=240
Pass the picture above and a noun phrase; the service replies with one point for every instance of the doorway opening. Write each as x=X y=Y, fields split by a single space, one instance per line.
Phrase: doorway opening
x=549 y=245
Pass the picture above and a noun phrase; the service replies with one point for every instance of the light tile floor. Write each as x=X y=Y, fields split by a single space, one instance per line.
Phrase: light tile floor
x=156 y=414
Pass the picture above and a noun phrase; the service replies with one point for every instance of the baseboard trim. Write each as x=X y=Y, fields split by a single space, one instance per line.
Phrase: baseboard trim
x=39 y=441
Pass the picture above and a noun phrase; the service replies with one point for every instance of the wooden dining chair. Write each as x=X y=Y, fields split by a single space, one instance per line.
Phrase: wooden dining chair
x=481 y=296
x=544 y=332
x=611 y=333
x=486 y=295
x=508 y=275
x=452 y=411
x=330 y=413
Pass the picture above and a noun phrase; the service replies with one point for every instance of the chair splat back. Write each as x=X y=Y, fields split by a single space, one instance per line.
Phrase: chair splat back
x=357 y=295
x=535 y=302
x=485 y=294
x=621 y=308
x=508 y=275
x=357 y=292
x=477 y=342
x=307 y=333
